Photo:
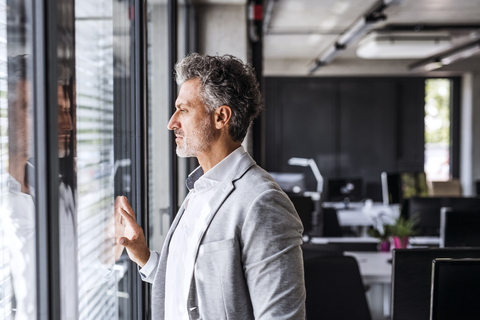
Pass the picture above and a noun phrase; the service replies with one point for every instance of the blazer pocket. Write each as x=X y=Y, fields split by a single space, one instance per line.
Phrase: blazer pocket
x=217 y=246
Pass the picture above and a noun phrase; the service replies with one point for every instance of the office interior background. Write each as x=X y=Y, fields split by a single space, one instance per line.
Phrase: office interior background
x=87 y=88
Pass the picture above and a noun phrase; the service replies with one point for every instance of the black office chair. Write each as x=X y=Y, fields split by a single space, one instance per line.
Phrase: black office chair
x=311 y=250
x=331 y=226
x=334 y=289
x=305 y=208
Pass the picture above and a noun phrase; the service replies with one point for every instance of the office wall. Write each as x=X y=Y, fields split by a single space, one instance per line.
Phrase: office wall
x=222 y=28
x=476 y=130
x=470 y=132
x=352 y=127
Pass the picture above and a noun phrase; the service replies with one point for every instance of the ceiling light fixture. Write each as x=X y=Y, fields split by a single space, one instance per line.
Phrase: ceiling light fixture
x=378 y=45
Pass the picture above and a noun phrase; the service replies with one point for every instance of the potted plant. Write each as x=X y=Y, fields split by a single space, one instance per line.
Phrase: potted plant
x=383 y=234
x=403 y=229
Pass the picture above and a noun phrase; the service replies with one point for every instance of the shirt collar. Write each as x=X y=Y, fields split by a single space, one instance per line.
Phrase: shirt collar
x=215 y=175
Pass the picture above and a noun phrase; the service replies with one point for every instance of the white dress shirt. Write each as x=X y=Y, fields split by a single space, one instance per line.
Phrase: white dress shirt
x=181 y=255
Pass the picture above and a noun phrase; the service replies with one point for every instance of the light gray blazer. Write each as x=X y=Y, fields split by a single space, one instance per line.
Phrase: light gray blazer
x=249 y=263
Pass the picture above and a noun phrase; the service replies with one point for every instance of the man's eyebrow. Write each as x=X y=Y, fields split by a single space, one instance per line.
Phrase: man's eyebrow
x=181 y=104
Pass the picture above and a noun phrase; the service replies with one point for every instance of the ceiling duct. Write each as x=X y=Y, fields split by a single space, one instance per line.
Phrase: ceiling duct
x=361 y=27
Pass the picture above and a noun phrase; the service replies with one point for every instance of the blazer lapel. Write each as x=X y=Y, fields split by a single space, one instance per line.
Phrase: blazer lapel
x=225 y=188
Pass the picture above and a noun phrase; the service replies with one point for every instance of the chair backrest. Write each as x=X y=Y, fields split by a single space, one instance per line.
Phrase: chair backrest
x=460 y=228
x=334 y=289
x=455 y=289
x=305 y=208
x=411 y=279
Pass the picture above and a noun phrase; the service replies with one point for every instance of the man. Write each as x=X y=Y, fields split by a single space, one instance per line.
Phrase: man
x=233 y=251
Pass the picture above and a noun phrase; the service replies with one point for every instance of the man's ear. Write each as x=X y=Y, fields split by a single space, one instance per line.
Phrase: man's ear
x=223 y=114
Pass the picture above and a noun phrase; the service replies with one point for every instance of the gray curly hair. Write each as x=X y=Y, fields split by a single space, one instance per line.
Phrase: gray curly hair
x=224 y=80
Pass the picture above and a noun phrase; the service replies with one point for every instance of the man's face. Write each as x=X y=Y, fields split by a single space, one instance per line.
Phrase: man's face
x=191 y=122
x=65 y=125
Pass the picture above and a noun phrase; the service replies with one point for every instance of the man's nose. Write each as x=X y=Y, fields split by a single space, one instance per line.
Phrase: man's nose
x=173 y=122
x=65 y=122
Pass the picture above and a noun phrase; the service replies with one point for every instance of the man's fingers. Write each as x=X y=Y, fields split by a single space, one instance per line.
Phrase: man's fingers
x=123 y=241
x=126 y=206
x=127 y=216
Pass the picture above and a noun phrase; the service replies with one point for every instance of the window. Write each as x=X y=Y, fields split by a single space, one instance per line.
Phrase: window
x=85 y=124
x=437 y=129
x=17 y=185
x=159 y=112
x=100 y=279
x=166 y=188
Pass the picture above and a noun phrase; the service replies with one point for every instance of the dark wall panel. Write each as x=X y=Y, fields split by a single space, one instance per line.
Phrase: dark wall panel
x=367 y=128
x=352 y=127
x=410 y=124
x=308 y=111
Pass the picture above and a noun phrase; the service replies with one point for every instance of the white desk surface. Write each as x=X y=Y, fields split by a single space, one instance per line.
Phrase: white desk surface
x=374 y=266
x=367 y=216
x=324 y=240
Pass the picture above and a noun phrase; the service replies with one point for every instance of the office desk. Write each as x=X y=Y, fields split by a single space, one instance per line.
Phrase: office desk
x=362 y=217
x=376 y=271
x=367 y=215
x=374 y=266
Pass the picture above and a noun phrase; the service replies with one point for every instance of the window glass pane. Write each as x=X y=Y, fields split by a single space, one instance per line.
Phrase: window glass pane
x=104 y=128
x=159 y=112
x=17 y=187
x=437 y=129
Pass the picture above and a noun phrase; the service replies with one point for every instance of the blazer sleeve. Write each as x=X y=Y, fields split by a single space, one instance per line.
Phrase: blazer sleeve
x=272 y=257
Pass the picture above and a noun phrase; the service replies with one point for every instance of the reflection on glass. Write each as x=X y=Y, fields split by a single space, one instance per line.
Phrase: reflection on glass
x=101 y=58
x=17 y=187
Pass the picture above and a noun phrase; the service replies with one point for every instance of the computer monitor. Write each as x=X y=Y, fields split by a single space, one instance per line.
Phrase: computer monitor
x=455 y=289
x=411 y=279
x=396 y=187
x=428 y=210
x=341 y=189
x=290 y=182
x=459 y=228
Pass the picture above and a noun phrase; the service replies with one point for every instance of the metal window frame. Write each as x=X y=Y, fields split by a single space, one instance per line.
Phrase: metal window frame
x=172 y=93
x=140 y=289
x=46 y=149
x=46 y=158
x=455 y=125
x=45 y=22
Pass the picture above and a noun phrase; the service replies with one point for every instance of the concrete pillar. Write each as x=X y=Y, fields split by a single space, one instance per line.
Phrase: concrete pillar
x=476 y=129
x=222 y=28
x=470 y=133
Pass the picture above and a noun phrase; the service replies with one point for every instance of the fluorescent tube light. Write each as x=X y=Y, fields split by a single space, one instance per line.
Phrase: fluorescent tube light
x=466 y=53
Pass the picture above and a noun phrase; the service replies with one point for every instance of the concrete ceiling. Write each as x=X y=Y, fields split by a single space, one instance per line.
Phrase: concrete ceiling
x=297 y=32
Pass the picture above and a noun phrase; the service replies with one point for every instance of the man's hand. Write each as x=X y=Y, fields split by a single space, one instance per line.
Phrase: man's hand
x=132 y=238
